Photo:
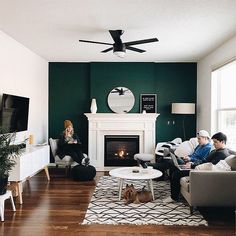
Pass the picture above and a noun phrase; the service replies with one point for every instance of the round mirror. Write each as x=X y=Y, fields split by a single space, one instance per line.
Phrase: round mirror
x=120 y=100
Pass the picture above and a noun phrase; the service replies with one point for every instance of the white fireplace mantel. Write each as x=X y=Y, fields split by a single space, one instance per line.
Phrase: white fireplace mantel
x=101 y=124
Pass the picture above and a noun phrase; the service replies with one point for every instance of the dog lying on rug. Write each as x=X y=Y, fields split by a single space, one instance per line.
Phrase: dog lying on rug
x=131 y=195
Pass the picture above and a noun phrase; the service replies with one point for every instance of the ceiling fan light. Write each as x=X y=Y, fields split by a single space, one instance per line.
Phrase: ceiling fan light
x=119 y=54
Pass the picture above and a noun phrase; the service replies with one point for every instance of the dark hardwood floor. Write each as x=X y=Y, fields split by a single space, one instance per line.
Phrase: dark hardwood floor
x=58 y=207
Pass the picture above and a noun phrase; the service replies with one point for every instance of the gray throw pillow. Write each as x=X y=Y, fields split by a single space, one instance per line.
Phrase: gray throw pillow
x=231 y=152
x=231 y=161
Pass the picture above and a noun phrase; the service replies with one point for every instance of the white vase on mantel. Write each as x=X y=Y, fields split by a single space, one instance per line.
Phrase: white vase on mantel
x=93 y=107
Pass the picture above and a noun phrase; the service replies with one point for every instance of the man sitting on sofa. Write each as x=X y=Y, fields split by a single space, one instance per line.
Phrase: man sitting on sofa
x=203 y=148
x=200 y=152
x=219 y=153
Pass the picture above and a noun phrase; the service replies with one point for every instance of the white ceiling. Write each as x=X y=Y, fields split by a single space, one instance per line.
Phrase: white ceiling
x=187 y=29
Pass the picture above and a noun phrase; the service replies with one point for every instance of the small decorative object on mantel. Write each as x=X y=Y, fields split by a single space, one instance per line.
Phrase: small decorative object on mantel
x=148 y=103
x=93 y=107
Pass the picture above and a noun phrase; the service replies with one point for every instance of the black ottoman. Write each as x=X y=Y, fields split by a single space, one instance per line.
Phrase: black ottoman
x=83 y=173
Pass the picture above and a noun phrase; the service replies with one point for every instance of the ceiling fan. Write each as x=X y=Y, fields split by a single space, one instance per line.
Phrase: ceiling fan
x=118 y=47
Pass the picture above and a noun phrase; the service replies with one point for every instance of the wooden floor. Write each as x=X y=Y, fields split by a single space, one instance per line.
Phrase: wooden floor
x=59 y=206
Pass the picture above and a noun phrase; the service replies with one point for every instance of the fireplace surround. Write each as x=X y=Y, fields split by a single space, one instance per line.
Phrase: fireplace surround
x=103 y=124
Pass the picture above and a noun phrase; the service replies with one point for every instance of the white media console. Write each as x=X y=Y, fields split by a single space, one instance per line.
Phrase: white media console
x=32 y=160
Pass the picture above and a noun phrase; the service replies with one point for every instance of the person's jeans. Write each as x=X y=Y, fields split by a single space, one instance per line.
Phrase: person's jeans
x=74 y=150
x=180 y=161
x=162 y=165
x=175 y=176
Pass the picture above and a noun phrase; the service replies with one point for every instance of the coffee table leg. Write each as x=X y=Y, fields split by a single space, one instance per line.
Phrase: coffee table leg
x=151 y=188
x=120 y=187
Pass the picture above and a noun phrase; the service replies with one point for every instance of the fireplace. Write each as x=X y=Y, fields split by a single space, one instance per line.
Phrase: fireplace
x=106 y=124
x=119 y=150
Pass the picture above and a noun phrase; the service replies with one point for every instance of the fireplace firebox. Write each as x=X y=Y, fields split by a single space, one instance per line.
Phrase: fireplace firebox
x=120 y=150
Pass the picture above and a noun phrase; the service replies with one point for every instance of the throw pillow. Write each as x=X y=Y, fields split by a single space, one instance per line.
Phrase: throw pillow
x=204 y=166
x=231 y=161
x=186 y=148
x=221 y=166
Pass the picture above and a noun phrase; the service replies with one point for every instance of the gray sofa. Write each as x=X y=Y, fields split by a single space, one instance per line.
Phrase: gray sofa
x=211 y=188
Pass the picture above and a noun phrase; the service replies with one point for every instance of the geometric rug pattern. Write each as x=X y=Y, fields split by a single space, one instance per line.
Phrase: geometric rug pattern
x=105 y=207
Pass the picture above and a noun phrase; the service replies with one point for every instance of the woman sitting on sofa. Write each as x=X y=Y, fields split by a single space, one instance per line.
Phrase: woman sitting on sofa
x=69 y=143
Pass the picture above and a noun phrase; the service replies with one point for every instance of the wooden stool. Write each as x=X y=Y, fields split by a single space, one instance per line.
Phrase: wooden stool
x=3 y=197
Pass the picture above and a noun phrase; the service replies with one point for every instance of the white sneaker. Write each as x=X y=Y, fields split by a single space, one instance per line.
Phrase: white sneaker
x=86 y=161
x=168 y=200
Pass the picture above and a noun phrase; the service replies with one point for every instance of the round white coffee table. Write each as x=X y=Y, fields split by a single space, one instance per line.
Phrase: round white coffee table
x=135 y=173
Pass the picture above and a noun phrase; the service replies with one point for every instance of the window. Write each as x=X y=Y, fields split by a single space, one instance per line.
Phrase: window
x=224 y=102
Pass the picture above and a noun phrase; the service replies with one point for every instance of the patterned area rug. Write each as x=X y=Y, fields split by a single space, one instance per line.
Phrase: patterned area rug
x=105 y=207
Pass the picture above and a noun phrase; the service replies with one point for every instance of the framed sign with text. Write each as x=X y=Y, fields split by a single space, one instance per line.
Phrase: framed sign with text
x=148 y=102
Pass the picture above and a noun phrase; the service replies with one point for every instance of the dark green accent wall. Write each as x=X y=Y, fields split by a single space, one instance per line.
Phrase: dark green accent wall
x=69 y=93
x=175 y=82
x=138 y=77
x=72 y=85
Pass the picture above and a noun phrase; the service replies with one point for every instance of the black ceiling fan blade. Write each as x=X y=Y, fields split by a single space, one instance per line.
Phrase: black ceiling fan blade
x=115 y=34
x=87 y=41
x=107 y=50
x=141 y=41
x=135 y=49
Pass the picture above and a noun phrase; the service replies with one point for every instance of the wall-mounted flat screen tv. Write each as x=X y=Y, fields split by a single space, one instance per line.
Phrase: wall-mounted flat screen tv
x=14 y=113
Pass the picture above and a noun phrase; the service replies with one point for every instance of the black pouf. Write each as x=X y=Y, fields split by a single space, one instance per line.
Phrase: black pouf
x=83 y=173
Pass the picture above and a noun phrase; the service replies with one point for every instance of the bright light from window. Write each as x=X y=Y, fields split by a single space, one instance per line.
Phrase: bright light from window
x=227 y=124
x=224 y=102
x=227 y=86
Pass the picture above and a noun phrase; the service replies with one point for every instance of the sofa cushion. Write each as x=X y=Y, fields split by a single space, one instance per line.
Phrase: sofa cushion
x=231 y=161
x=186 y=148
x=232 y=152
x=204 y=166
x=222 y=165
x=184 y=182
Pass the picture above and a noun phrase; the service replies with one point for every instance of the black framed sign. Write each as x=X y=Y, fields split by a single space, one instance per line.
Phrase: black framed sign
x=148 y=103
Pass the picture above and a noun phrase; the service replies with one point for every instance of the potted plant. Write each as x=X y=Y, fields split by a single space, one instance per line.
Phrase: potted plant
x=9 y=151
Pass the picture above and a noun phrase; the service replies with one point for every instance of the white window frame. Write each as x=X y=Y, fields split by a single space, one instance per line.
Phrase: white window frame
x=216 y=107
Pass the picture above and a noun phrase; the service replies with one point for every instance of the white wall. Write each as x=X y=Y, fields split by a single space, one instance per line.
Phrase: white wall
x=222 y=54
x=24 y=73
